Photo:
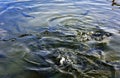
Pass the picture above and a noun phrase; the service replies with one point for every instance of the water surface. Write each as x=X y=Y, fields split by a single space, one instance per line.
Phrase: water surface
x=59 y=39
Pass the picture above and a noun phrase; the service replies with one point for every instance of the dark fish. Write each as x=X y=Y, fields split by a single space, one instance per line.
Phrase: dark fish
x=2 y=56
x=26 y=15
x=86 y=13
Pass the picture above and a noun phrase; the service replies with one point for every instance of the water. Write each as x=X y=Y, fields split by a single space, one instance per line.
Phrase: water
x=59 y=39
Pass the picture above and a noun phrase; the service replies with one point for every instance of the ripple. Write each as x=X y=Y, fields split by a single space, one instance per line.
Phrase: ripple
x=59 y=39
x=70 y=21
x=73 y=60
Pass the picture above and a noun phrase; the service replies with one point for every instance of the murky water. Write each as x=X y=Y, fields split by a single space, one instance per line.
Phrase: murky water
x=59 y=39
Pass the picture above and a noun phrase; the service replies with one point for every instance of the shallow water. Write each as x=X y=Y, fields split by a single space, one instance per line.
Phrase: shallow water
x=59 y=39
